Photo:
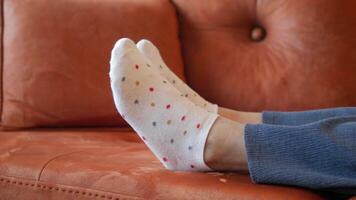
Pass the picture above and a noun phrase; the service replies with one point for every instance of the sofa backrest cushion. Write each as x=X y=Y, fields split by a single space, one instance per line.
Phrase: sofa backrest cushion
x=280 y=54
x=56 y=57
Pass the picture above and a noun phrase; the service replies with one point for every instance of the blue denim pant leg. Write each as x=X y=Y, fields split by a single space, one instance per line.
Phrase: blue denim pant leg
x=317 y=155
x=305 y=117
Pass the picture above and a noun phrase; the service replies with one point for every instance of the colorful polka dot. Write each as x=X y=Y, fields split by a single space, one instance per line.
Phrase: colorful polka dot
x=161 y=110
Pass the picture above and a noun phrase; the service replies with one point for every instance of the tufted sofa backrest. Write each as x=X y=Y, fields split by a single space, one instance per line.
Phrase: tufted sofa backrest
x=280 y=54
x=55 y=57
x=242 y=54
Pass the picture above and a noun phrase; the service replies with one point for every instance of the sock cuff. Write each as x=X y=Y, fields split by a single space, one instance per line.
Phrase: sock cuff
x=203 y=135
x=214 y=108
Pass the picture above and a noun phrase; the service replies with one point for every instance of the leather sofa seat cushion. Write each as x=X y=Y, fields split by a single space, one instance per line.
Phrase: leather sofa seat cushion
x=56 y=57
x=111 y=164
x=304 y=58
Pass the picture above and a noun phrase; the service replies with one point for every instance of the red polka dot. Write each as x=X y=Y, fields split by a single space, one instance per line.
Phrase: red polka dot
x=151 y=89
x=136 y=66
x=183 y=118
x=198 y=125
x=165 y=159
x=192 y=166
x=168 y=106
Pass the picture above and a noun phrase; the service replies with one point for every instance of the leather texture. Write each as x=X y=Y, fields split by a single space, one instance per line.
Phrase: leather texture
x=306 y=60
x=113 y=163
x=56 y=57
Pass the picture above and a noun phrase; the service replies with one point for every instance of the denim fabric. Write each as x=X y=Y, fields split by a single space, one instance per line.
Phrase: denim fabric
x=312 y=149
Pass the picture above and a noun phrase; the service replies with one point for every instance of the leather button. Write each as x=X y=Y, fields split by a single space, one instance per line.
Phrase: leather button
x=258 y=33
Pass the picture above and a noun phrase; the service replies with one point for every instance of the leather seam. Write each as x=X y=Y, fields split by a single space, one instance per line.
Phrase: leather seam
x=256 y=20
x=64 y=189
x=2 y=60
x=179 y=38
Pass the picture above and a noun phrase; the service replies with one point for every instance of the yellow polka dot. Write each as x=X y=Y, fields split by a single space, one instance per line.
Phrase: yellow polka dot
x=153 y=104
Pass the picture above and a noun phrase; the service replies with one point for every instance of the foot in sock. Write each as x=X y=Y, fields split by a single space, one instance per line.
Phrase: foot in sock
x=152 y=53
x=174 y=128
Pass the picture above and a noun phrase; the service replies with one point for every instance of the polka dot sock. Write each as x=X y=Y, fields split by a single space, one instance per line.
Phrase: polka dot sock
x=152 y=53
x=174 y=128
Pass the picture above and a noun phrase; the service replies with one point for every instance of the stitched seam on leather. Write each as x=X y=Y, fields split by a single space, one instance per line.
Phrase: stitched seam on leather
x=65 y=189
x=2 y=59
x=52 y=159
x=179 y=37
x=256 y=4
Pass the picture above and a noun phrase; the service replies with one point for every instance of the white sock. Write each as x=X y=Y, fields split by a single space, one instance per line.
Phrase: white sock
x=174 y=128
x=152 y=53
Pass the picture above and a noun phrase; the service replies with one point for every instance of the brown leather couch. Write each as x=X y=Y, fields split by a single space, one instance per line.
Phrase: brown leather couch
x=61 y=137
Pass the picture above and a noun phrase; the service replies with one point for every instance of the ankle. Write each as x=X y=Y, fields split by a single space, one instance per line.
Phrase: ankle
x=241 y=117
x=225 y=147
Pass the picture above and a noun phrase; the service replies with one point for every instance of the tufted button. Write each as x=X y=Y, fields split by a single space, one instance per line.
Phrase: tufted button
x=258 y=33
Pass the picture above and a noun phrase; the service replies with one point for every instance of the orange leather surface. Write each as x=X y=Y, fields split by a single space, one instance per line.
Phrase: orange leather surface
x=55 y=73
x=307 y=59
x=37 y=164
x=56 y=57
